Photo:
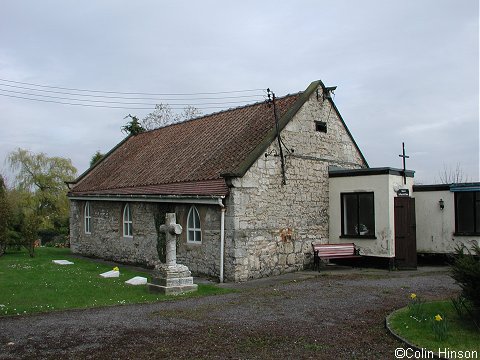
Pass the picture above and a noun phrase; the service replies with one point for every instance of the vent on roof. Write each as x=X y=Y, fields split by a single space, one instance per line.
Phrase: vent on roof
x=321 y=126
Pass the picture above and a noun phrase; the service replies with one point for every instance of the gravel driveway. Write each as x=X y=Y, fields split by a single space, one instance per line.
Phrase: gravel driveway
x=335 y=314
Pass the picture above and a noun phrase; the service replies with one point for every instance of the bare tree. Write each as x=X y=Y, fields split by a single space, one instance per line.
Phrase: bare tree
x=190 y=112
x=451 y=175
x=163 y=115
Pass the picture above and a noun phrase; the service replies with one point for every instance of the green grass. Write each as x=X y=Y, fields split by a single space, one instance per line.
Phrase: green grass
x=32 y=285
x=462 y=335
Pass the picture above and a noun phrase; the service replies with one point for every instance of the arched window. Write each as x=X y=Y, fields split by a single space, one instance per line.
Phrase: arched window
x=127 y=221
x=87 y=218
x=194 y=230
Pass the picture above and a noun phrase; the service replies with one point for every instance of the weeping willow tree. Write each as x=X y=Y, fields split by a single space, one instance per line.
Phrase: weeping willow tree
x=39 y=198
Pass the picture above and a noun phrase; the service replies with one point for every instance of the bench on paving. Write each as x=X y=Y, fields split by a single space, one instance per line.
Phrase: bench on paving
x=333 y=251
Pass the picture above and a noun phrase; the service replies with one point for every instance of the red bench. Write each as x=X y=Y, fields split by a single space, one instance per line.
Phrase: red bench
x=333 y=251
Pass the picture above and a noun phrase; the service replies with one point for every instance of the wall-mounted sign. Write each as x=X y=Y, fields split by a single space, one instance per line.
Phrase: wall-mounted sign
x=403 y=192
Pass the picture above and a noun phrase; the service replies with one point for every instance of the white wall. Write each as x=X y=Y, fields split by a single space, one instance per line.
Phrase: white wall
x=435 y=227
x=384 y=187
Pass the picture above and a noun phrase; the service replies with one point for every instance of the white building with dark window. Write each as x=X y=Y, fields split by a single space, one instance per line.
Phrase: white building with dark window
x=373 y=208
x=447 y=216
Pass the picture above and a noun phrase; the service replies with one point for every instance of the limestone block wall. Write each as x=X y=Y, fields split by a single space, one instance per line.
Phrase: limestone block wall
x=106 y=239
x=202 y=258
x=274 y=224
x=270 y=226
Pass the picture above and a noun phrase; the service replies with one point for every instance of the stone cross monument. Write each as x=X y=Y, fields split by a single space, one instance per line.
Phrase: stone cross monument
x=170 y=277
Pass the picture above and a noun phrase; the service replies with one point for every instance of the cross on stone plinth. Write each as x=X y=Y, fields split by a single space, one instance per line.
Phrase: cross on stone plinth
x=171 y=230
x=170 y=277
x=404 y=168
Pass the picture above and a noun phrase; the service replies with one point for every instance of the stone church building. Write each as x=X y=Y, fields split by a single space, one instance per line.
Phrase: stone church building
x=248 y=208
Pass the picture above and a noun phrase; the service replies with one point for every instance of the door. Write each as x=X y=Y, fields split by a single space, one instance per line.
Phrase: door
x=405 y=233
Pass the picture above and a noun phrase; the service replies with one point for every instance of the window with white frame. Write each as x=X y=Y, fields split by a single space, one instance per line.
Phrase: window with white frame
x=87 y=218
x=127 y=221
x=194 y=230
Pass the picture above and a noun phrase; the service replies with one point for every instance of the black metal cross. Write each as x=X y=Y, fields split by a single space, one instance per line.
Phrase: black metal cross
x=404 y=168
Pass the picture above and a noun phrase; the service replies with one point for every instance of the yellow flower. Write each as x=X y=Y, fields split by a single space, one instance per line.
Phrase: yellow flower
x=438 y=317
x=116 y=268
x=413 y=296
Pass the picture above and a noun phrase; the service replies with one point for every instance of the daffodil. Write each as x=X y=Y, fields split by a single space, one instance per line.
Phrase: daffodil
x=116 y=268
x=438 y=317
x=413 y=296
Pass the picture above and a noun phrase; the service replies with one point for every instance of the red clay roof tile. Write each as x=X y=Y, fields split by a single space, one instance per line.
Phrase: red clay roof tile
x=215 y=187
x=192 y=154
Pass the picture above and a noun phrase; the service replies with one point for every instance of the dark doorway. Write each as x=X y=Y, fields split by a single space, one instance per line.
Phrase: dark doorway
x=405 y=233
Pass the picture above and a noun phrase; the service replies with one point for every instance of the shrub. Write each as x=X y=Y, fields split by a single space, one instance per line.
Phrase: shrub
x=14 y=240
x=47 y=235
x=466 y=272
x=59 y=241
x=4 y=215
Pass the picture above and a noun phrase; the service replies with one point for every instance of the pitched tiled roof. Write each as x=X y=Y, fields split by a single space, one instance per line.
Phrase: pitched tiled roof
x=188 y=158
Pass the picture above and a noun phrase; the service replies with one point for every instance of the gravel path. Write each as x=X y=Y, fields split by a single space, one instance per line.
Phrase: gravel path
x=330 y=315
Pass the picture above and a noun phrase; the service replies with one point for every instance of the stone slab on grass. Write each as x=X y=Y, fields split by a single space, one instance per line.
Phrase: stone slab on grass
x=110 y=274
x=137 y=280
x=62 y=262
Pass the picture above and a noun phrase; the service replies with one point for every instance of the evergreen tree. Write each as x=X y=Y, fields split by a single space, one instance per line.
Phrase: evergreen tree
x=133 y=127
x=96 y=158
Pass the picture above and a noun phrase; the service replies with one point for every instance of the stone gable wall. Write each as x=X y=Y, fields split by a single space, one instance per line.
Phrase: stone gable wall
x=270 y=226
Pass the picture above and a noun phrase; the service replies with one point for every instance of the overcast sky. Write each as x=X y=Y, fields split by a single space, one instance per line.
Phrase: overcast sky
x=406 y=70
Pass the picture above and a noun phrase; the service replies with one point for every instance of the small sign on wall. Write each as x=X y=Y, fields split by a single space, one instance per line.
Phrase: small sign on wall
x=403 y=192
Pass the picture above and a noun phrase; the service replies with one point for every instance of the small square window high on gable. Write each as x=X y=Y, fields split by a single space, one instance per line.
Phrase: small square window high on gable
x=321 y=126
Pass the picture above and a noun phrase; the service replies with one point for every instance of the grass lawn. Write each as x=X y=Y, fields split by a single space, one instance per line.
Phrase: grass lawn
x=31 y=285
x=461 y=335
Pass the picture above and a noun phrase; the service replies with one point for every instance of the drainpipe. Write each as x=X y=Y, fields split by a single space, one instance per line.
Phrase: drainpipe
x=222 y=236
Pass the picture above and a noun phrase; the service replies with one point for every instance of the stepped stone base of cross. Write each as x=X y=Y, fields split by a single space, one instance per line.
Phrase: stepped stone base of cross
x=171 y=278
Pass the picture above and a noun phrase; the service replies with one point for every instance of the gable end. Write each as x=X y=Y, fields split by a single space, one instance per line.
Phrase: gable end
x=272 y=134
